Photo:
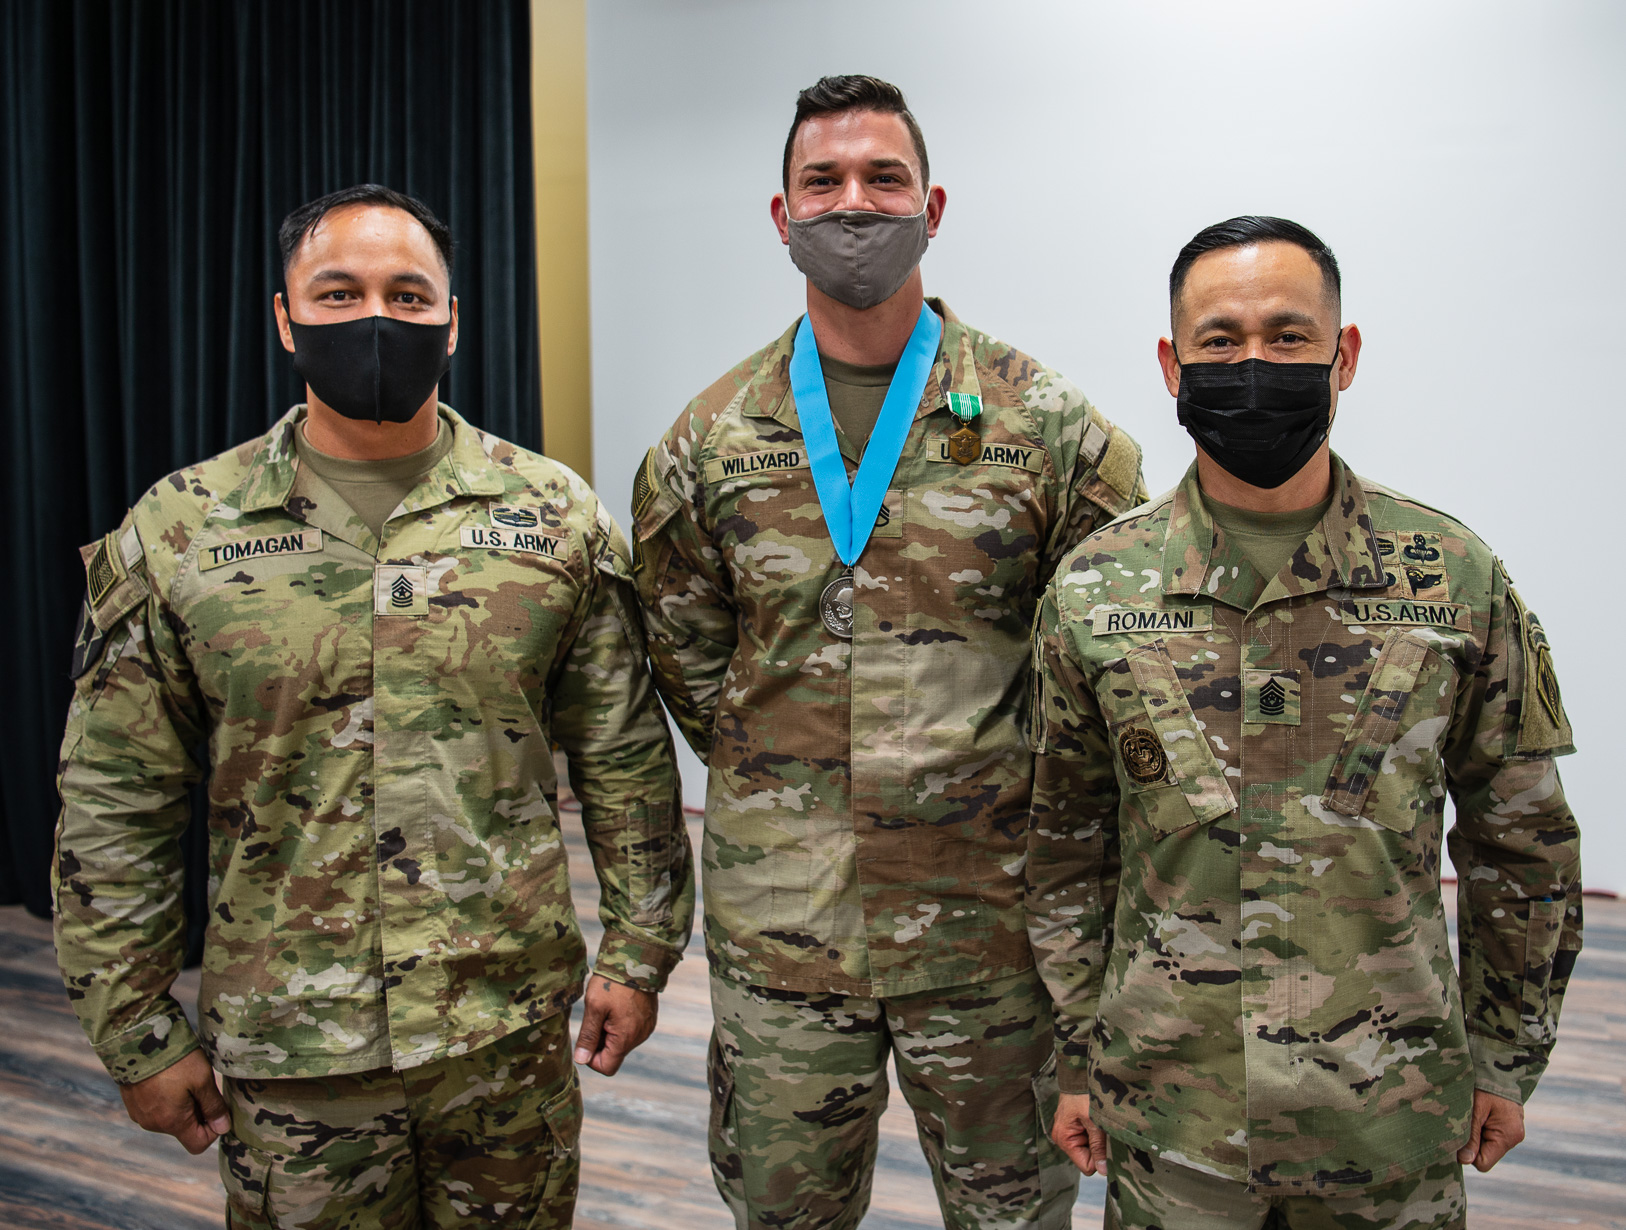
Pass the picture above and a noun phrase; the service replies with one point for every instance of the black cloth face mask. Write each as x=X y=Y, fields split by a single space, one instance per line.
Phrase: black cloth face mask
x=374 y=367
x=1259 y=420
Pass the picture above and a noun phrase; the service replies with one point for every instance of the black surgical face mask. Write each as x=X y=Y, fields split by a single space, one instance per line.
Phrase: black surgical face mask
x=1260 y=421
x=374 y=367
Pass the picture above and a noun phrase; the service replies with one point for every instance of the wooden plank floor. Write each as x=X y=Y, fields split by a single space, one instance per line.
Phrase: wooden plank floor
x=70 y=1160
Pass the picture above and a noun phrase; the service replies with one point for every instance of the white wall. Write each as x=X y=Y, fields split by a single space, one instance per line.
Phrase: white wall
x=1464 y=160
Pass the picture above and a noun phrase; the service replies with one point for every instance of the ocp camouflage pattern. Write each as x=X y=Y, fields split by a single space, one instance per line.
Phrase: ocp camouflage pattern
x=867 y=800
x=1234 y=860
x=388 y=883
x=487 y=1138
x=799 y=1084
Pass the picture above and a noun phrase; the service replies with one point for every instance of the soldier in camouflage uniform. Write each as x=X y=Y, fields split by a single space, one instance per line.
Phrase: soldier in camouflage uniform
x=391 y=949
x=868 y=789
x=1253 y=696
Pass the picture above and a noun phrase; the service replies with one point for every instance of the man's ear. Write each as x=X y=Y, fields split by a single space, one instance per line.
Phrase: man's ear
x=936 y=203
x=780 y=209
x=1170 y=363
x=451 y=342
x=279 y=310
x=1349 y=354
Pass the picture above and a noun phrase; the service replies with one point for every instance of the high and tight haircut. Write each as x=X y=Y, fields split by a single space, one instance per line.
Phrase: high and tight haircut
x=303 y=220
x=856 y=92
x=1244 y=231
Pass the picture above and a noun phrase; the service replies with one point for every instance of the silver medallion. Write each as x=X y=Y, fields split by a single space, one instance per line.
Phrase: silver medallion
x=836 y=607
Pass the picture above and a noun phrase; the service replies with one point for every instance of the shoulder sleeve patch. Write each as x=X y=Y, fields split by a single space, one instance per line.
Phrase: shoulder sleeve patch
x=653 y=500
x=115 y=577
x=1119 y=466
x=644 y=487
x=1543 y=725
x=115 y=582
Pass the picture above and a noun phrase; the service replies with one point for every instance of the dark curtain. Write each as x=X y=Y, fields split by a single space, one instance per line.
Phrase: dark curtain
x=149 y=149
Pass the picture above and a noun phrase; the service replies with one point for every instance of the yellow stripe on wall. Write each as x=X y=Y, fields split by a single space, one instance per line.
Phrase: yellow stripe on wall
x=559 y=134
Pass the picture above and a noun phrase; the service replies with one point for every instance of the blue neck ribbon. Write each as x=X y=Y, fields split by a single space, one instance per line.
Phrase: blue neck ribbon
x=850 y=511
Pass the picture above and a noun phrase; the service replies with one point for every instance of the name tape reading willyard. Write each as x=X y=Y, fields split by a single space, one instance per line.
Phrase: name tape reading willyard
x=743 y=465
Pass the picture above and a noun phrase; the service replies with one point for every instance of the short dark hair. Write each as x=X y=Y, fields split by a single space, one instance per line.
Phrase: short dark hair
x=1243 y=231
x=303 y=220
x=856 y=92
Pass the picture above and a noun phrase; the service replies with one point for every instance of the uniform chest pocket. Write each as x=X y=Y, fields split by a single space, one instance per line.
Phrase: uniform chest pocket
x=1395 y=737
x=1163 y=759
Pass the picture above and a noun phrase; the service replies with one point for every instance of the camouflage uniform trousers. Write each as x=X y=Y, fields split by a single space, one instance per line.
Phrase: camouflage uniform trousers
x=490 y=1138
x=798 y=1084
x=1145 y=1192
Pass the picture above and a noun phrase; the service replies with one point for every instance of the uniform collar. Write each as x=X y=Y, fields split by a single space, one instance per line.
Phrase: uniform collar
x=768 y=394
x=1340 y=551
x=465 y=470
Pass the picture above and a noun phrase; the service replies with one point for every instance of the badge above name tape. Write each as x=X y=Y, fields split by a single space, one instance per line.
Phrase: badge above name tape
x=1118 y=620
x=515 y=516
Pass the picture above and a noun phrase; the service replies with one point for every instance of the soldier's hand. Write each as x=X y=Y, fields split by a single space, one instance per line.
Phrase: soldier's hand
x=615 y=1020
x=1498 y=1125
x=182 y=1101
x=1077 y=1137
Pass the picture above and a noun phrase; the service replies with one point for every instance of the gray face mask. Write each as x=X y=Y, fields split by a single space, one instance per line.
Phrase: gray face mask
x=856 y=256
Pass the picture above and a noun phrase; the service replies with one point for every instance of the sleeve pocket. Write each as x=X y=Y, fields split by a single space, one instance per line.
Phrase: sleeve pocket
x=646 y=849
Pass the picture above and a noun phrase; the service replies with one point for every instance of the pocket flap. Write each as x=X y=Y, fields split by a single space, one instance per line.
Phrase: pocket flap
x=1195 y=769
x=1377 y=717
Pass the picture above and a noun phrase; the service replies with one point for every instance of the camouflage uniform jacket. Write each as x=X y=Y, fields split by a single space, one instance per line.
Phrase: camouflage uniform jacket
x=1234 y=859
x=387 y=880
x=867 y=800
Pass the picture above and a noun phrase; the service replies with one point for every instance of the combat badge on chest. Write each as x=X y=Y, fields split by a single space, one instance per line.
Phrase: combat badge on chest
x=1414 y=564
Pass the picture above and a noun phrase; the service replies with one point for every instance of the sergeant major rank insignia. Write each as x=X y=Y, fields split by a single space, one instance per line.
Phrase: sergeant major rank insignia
x=400 y=590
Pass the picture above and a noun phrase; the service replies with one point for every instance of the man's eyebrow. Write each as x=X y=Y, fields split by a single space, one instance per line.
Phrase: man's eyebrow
x=1281 y=319
x=830 y=164
x=406 y=277
x=1225 y=324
